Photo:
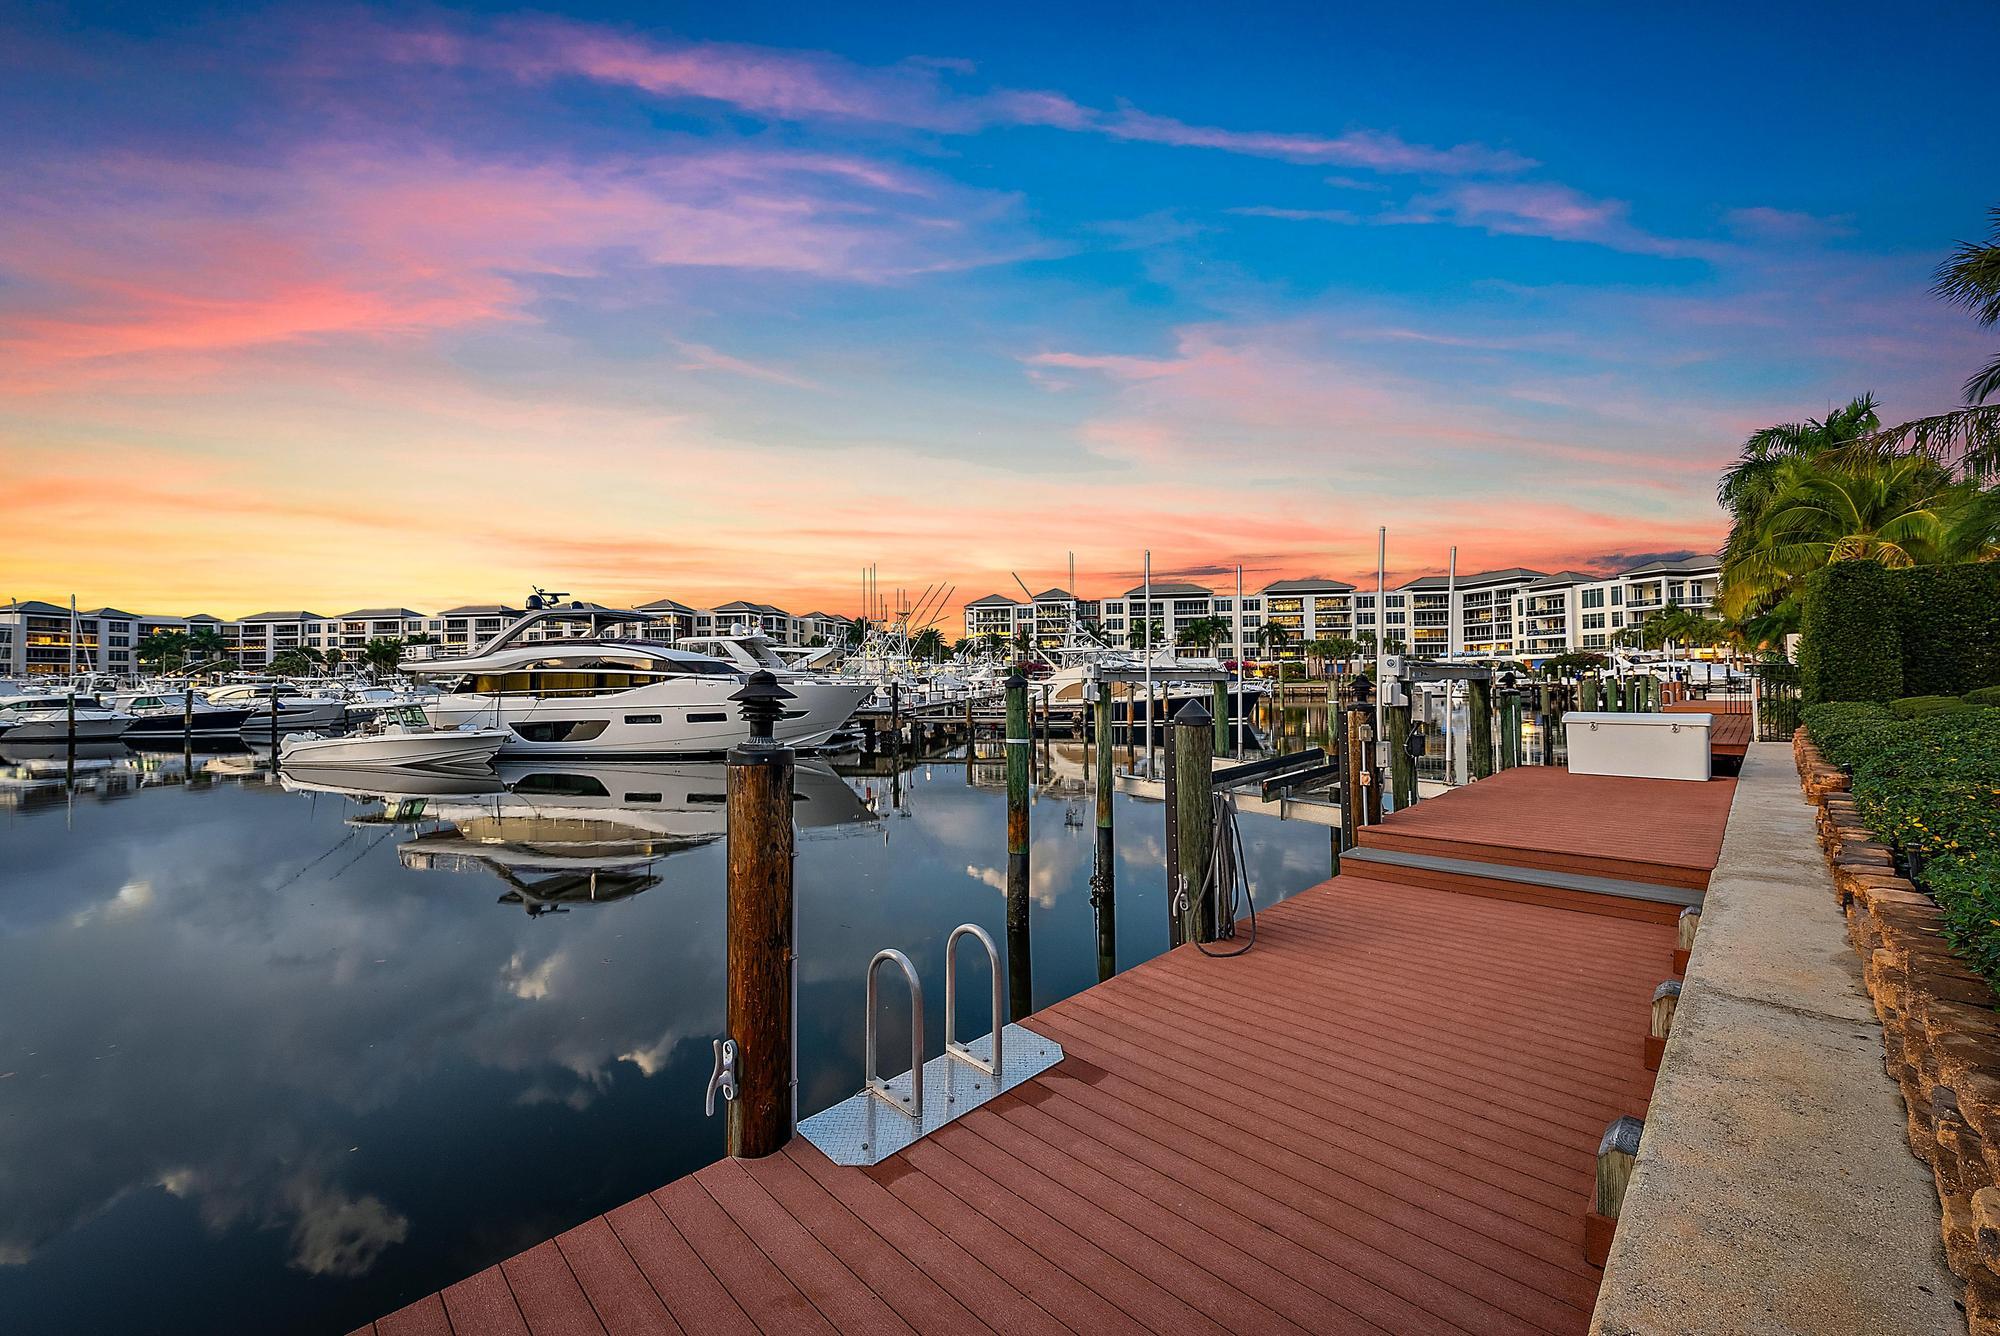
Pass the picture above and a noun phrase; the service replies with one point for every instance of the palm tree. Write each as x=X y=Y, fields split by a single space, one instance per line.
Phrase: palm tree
x=1274 y=636
x=382 y=654
x=206 y=643
x=1145 y=634
x=1966 y=439
x=1902 y=511
x=163 y=650
x=1204 y=633
x=929 y=644
x=1747 y=485
x=290 y=662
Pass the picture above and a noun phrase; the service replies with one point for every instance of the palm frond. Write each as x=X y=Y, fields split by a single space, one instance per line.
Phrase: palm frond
x=1965 y=439
x=1971 y=277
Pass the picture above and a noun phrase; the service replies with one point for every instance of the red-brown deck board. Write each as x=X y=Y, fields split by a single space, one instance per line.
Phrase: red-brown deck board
x=1729 y=733
x=1664 y=831
x=1383 y=1118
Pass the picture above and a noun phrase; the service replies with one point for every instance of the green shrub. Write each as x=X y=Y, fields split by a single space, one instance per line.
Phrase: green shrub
x=1917 y=707
x=1850 y=647
x=1948 y=621
x=1870 y=633
x=1929 y=785
x=1846 y=730
x=1983 y=696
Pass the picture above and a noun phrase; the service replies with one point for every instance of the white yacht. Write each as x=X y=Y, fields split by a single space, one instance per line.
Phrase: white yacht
x=298 y=707
x=592 y=694
x=47 y=717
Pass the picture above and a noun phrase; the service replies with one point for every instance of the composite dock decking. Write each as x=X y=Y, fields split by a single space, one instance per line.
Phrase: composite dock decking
x=1667 y=832
x=1382 y=1118
x=1729 y=734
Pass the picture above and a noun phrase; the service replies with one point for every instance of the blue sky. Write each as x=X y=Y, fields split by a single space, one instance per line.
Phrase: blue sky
x=698 y=301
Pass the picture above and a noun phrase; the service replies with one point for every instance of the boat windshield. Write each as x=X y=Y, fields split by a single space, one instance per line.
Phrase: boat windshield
x=586 y=680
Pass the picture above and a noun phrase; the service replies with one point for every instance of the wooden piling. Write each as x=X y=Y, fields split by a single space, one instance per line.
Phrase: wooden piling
x=1194 y=802
x=1479 y=727
x=760 y=922
x=1510 y=728
x=1104 y=873
x=1020 y=976
x=1593 y=692
x=1666 y=1000
x=274 y=725
x=1402 y=766
x=1617 y=1157
x=1220 y=713
x=1684 y=930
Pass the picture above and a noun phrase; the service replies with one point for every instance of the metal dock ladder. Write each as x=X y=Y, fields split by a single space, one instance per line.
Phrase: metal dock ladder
x=891 y=1113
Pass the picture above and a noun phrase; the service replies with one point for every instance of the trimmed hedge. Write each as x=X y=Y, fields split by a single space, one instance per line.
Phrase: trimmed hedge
x=1850 y=642
x=1930 y=787
x=1870 y=633
x=1916 y=707
x=1983 y=696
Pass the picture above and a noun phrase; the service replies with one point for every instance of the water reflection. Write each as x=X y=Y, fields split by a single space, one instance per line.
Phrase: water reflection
x=265 y=1063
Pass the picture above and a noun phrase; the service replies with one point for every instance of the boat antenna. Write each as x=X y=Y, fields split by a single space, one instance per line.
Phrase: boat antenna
x=1024 y=588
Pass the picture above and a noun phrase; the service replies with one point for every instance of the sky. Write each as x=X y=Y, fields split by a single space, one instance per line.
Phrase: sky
x=330 y=306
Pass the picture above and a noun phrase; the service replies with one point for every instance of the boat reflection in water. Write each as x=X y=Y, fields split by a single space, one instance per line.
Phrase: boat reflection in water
x=560 y=834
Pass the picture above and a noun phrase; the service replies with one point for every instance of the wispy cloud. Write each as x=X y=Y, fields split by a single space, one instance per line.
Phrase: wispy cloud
x=1546 y=209
x=1298 y=215
x=804 y=86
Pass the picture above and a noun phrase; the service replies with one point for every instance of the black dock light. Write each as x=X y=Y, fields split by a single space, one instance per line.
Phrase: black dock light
x=1363 y=689
x=763 y=703
x=1507 y=681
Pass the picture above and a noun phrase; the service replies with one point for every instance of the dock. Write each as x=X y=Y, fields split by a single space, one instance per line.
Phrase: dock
x=1384 y=1117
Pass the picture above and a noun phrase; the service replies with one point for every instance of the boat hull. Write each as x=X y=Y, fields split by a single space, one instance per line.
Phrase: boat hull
x=54 y=726
x=207 y=723
x=684 y=717
x=459 y=748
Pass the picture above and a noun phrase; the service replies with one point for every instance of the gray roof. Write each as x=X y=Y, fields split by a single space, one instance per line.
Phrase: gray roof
x=284 y=617
x=1054 y=594
x=1564 y=579
x=1171 y=589
x=36 y=606
x=825 y=617
x=111 y=612
x=380 y=614
x=479 y=610
x=1311 y=584
x=1511 y=575
x=1678 y=566
x=745 y=605
x=994 y=601
x=664 y=605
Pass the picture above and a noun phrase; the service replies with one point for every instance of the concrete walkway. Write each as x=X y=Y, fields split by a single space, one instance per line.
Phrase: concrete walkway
x=1775 y=1191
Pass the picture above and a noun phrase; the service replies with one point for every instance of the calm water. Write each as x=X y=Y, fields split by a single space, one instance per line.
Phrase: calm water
x=274 y=1058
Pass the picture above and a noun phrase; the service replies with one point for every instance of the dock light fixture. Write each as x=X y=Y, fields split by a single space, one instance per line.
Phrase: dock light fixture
x=763 y=704
x=1362 y=688
x=1507 y=681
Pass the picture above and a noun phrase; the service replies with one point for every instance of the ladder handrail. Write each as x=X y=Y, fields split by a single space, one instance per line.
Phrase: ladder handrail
x=914 y=1106
x=951 y=1044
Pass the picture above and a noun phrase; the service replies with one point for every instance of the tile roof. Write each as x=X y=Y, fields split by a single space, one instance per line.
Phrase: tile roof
x=1311 y=584
x=995 y=601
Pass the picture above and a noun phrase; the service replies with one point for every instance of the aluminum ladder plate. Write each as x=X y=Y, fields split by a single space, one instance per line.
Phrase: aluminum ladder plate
x=865 y=1129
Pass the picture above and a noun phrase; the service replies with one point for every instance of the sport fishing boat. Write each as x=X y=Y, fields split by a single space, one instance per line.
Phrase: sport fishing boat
x=398 y=737
x=564 y=684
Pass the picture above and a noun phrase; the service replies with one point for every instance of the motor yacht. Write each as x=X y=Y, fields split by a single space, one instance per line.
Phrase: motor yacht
x=298 y=707
x=166 y=714
x=564 y=684
x=48 y=717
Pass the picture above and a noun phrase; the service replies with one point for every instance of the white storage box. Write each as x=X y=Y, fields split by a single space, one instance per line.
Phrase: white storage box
x=1643 y=746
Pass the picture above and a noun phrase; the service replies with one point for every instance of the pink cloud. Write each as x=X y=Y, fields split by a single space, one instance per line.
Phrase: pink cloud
x=128 y=256
x=1785 y=225
x=1546 y=209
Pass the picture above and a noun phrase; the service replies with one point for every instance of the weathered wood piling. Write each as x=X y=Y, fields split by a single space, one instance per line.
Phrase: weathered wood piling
x=760 y=922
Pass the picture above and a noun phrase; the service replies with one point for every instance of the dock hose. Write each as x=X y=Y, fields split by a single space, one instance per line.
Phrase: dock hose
x=1226 y=872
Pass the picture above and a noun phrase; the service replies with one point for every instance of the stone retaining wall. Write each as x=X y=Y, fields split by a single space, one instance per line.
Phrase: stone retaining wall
x=1941 y=1032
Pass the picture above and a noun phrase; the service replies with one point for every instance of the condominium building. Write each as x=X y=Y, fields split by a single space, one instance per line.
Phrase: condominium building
x=1514 y=612
x=39 y=638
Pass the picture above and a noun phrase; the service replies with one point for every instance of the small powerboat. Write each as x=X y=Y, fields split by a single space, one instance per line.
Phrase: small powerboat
x=52 y=718
x=400 y=737
x=167 y=714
